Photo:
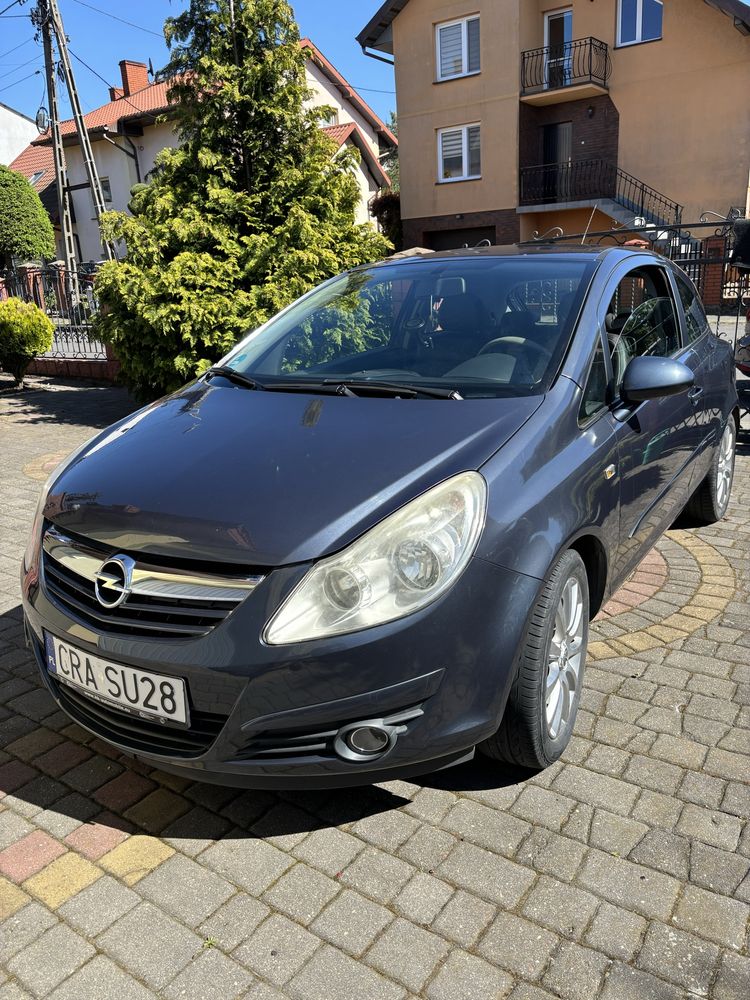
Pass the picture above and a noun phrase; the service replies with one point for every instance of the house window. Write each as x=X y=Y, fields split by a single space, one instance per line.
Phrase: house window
x=36 y=177
x=106 y=189
x=457 y=48
x=459 y=153
x=639 y=21
x=332 y=118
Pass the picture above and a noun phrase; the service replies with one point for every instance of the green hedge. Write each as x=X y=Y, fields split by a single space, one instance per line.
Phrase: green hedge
x=25 y=332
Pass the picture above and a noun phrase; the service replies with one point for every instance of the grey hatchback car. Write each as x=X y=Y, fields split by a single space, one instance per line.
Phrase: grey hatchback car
x=372 y=538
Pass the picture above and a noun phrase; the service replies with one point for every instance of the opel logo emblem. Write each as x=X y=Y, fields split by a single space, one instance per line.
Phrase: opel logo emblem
x=113 y=581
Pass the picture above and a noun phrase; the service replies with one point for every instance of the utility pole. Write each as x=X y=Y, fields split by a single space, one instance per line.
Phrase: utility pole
x=233 y=29
x=83 y=136
x=41 y=19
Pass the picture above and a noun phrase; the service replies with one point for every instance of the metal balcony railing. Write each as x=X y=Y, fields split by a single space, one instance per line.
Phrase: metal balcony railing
x=585 y=60
x=587 y=180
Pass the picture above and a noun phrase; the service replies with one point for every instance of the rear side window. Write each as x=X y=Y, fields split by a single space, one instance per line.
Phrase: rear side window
x=696 y=321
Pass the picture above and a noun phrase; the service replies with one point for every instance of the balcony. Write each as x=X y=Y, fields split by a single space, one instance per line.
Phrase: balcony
x=571 y=72
x=585 y=183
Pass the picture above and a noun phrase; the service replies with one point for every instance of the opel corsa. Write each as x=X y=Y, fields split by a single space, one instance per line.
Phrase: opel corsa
x=372 y=538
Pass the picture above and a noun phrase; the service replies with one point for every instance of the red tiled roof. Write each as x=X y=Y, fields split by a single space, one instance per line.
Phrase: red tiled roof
x=348 y=92
x=342 y=133
x=152 y=100
x=339 y=133
x=32 y=160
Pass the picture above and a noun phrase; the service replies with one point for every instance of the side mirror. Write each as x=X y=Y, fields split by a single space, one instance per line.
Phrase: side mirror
x=652 y=378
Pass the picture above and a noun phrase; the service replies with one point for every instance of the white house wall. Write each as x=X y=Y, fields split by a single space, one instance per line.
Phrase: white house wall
x=16 y=132
x=120 y=169
x=324 y=92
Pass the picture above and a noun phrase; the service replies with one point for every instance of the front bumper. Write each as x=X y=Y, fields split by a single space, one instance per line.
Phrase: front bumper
x=267 y=717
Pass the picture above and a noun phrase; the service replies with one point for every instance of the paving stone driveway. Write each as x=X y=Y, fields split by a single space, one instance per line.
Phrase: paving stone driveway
x=620 y=873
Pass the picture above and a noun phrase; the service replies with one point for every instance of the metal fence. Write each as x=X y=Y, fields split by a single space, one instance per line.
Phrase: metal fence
x=586 y=180
x=585 y=60
x=70 y=302
x=703 y=249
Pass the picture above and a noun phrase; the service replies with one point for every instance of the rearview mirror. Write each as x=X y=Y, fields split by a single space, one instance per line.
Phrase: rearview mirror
x=651 y=378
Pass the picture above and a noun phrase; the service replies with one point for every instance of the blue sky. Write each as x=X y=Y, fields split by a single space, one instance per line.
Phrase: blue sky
x=102 y=41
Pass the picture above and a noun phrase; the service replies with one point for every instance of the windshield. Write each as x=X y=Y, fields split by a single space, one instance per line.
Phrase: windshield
x=495 y=326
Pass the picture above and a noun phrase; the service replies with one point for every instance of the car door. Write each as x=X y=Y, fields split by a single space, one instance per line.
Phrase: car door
x=710 y=392
x=657 y=439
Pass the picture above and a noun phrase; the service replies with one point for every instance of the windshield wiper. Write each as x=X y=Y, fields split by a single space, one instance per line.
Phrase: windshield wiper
x=232 y=375
x=395 y=388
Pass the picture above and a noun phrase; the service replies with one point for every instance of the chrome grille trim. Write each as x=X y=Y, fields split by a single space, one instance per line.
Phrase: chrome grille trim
x=149 y=581
x=161 y=603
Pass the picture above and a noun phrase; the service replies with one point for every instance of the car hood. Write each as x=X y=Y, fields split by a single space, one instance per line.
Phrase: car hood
x=267 y=479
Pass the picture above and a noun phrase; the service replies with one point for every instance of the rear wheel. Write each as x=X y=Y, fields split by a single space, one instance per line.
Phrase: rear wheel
x=710 y=501
x=543 y=702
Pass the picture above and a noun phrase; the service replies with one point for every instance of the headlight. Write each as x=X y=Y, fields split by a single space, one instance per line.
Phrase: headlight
x=399 y=566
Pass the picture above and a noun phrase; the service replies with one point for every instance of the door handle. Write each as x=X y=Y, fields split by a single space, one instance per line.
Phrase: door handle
x=695 y=394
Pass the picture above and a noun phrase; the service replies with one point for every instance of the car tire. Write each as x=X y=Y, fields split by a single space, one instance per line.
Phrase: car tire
x=710 y=501
x=543 y=702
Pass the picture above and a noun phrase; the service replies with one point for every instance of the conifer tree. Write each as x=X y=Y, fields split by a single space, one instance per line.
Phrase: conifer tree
x=254 y=207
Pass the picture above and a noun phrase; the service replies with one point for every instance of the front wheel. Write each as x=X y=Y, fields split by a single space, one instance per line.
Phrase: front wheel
x=543 y=702
x=710 y=501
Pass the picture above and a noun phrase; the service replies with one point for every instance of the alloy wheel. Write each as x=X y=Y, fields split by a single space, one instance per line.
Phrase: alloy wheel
x=565 y=658
x=725 y=467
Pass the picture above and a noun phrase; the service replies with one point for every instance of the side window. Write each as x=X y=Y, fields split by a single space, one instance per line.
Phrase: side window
x=641 y=319
x=595 y=393
x=695 y=318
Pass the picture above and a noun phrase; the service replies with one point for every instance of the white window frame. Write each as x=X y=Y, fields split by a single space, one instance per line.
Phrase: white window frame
x=464 y=130
x=547 y=62
x=638 y=40
x=465 y=71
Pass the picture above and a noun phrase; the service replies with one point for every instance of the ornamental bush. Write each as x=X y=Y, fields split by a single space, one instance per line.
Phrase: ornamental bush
x=25 y=331
x=25 y=227
x=254 y=208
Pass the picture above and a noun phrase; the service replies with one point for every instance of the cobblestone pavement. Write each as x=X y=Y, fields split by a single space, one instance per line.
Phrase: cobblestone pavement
x=620 y=873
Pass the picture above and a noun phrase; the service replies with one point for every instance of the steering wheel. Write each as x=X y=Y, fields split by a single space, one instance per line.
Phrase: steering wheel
x=514 y=346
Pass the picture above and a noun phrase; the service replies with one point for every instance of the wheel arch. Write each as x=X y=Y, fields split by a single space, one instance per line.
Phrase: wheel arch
x=594 y=557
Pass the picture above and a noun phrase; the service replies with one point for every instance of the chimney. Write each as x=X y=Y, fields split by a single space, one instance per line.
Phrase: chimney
x=115 y=93
x=134 y=76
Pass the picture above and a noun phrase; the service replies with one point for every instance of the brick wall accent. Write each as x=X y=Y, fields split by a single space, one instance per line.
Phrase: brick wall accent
x=713 y=274
x=504 y=221
x=98 y=371
x=596 y=137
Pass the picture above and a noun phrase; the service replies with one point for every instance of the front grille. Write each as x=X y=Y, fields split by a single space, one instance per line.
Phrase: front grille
x=69 y=569
x=137 y=734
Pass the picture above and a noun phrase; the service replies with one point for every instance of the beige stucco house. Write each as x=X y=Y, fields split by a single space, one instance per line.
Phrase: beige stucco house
x=516 y=116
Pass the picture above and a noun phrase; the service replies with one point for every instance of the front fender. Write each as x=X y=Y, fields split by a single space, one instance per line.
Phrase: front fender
x=547 y=487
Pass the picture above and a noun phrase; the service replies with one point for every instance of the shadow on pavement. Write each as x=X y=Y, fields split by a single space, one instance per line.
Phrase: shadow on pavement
x=56 y=402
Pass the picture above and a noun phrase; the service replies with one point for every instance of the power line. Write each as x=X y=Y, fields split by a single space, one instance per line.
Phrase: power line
x=20 y=45
x=9 y=7
x=122 y=20
x=19 y=66
x=15 y=84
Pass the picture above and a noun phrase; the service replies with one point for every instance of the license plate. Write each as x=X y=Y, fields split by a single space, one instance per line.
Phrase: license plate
x=139 y=692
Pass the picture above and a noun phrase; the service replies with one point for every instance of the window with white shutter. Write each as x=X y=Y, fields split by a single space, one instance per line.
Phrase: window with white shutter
x=458 y=44
x=459 y=153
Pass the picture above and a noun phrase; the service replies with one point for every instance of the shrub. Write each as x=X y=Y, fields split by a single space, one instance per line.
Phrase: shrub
x=386 y=208
x=25 y=331
x=25 y=227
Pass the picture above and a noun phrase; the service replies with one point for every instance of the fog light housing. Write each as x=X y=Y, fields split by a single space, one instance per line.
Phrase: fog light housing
x=367 y=740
